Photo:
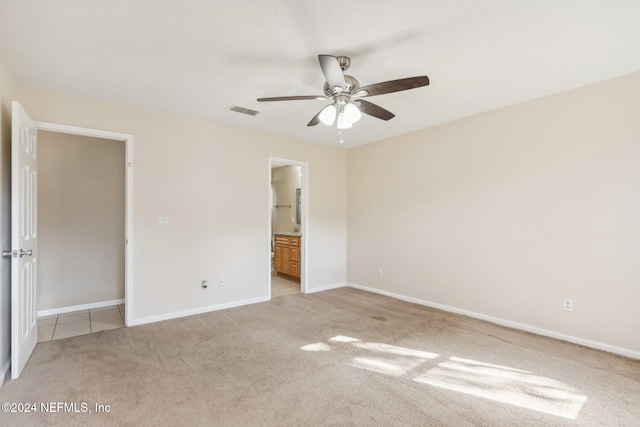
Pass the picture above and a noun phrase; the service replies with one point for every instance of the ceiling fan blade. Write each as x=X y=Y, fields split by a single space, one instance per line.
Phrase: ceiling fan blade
x=375 y=110
x=332 y=71
x=315 y=120
x=292 y=98
x=395 y=85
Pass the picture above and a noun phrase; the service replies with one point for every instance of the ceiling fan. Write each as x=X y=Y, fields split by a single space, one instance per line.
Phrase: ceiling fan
x=346 y=95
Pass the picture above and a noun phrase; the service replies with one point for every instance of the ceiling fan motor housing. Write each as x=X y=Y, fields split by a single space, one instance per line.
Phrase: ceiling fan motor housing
x=351 y=87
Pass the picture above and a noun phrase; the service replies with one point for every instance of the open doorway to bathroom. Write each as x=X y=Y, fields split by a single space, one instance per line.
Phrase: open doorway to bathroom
x=287 y=196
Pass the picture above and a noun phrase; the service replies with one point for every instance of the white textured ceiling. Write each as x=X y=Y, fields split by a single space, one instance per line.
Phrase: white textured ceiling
x=199 y=57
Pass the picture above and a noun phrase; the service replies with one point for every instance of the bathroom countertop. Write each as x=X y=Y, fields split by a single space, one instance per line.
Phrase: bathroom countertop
x=284 y=233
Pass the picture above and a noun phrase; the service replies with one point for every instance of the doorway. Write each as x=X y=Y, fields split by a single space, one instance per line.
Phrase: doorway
x=81 y=233
x=100 y=310
x=288 y=227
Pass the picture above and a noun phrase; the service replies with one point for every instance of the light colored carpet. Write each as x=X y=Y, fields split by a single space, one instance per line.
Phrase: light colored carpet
x=342 y=357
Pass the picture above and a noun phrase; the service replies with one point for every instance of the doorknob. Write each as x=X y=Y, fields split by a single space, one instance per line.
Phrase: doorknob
x=9 y=254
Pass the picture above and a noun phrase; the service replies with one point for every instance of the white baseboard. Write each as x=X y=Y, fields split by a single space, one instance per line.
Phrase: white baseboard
x=326 y=288
x=72 y=308
x=177 y=314
x=508 y=323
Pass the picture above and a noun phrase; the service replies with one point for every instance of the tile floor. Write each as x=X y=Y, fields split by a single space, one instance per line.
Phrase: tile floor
x=77 y=323
x=283 y=285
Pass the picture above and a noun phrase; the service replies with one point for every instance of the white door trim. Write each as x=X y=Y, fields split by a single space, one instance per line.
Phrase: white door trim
x=304 y=226
x=128 y=140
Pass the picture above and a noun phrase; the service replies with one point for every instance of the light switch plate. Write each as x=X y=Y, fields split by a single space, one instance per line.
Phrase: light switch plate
x=163 y=221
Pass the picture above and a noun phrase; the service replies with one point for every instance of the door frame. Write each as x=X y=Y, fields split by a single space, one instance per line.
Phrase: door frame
x=304 y=222
x=128 y=243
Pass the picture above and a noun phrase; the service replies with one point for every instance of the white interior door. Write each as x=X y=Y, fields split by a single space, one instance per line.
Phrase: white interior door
x=24 y=238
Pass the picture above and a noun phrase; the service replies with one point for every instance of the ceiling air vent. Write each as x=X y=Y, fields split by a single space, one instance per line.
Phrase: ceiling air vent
x=244 y=110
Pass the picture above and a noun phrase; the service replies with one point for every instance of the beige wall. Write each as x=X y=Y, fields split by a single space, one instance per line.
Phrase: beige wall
x=509 y=212
x=7 y=90
x=212 y=181
x=81 y=204
x=286 y=180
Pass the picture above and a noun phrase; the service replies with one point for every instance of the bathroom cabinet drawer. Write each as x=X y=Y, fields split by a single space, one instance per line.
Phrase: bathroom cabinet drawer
x=281 y=240
x=287 y=254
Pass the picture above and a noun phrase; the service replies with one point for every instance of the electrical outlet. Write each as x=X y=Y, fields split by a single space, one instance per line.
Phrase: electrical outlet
x=205 y=285
x=567 y=305
x=379 y=271
x=220 y=281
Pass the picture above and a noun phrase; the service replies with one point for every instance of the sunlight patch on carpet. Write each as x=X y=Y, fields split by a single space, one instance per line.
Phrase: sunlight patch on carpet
x=319 y=346
x=494 y=382
x=342 y=338
x=391 y=359
x=507 y=385
x=392 y=349
x=394 y=368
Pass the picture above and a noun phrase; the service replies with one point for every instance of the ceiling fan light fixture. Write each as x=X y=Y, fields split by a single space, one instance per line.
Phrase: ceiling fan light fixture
x=343 y=122
x=328 y=115
x=352 y=113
